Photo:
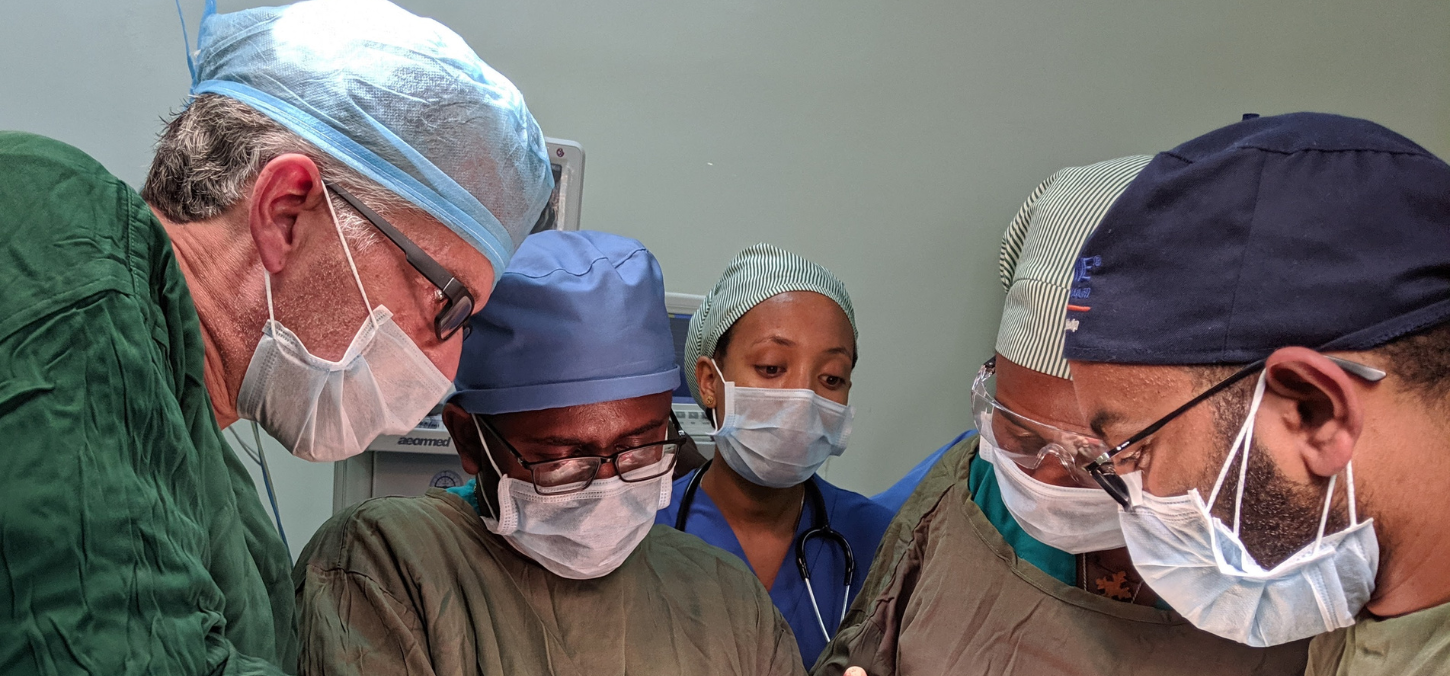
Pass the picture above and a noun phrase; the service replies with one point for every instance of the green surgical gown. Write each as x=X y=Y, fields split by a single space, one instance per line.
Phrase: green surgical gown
x=132 y=540
x=418 y=587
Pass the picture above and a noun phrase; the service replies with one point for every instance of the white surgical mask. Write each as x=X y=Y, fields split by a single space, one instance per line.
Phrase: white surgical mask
x=325 y=411
x=1201 y=568
x=777 y=437
x=1074 y=520
x=579 y=536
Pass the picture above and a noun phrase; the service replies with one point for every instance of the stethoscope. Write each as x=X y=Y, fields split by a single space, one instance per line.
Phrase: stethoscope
x=820 y=529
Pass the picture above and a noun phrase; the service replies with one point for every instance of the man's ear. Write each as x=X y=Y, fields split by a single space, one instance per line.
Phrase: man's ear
x=286 y=187
x=1319 y=412
x=465 y=437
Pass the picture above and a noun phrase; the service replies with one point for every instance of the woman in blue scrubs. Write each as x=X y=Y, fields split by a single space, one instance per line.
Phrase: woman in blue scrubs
x=773 y=345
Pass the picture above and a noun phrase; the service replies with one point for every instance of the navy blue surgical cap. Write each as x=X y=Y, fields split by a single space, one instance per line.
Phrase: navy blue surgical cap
x=577 y=318
x=1306 y=229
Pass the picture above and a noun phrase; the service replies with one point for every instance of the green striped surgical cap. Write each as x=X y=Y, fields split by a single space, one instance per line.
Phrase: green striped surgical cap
x=755 y=274
x=1039 y=250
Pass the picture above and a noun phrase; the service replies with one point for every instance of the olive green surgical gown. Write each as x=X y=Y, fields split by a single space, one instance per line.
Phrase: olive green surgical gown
x=948 y=595
x=132 y=540
x=1413 y=644
x=418 y=586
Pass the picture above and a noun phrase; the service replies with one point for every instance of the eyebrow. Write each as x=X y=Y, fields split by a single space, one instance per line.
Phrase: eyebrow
x=1102 y=420
x=786 y=342
x=777 y=339
x=575 y=441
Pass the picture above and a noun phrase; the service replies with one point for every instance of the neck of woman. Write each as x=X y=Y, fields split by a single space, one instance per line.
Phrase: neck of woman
x=744 y=503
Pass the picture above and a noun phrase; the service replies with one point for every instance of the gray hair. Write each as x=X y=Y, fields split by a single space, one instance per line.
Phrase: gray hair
x=210 y=153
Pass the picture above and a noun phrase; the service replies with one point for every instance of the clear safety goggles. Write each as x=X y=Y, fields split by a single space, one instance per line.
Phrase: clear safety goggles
x=1029 y=442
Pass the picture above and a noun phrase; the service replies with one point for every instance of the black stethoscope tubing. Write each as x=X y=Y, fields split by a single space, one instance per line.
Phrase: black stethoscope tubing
x=820 y=528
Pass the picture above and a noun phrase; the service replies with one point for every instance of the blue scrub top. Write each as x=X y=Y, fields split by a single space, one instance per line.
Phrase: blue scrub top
x=893 y=498
x=855 y=516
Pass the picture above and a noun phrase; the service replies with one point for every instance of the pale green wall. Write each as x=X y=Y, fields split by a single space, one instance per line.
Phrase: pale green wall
x=891 y=141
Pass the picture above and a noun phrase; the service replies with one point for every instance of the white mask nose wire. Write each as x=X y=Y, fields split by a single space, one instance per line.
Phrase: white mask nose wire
x=487 y=454
x=336 y=224
x=1243 y=441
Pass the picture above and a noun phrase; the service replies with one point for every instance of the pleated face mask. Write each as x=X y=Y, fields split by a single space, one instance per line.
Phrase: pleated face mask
x=325 y=411
x=582 y=535
x=1073 y=519
x=779 y=437
x=1201 y=567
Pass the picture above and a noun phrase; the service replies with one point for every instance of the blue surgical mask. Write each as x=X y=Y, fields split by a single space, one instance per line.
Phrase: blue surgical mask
x=1201 y=567
x=779 y=437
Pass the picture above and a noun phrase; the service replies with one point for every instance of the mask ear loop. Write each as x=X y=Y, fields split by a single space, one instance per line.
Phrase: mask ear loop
x=1324 y=515
x=337 y=225
x=1329 y=498
x=267 y=282
x=725 y=400
x=493 y=514
x=1349 y=490
x=1242 y=441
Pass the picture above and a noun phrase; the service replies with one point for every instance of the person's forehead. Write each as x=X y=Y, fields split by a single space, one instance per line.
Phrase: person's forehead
x=796 y=316
x=457 y=256
x=1117 y=396
x=1038 y=396
x=605 y=419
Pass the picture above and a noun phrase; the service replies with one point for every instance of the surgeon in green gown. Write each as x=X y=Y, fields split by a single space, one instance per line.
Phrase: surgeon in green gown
x=549 y=562
x=132 y=330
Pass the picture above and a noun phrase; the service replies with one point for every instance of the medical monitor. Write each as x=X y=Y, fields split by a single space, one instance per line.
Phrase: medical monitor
x=681 y=308
x=566 y=160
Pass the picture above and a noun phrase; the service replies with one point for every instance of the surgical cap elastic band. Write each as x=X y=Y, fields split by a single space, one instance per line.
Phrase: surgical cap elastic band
x=490 y=237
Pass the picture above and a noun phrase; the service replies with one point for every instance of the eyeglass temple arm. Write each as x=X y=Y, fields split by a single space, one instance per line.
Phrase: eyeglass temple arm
x=1368 y=373
x=420 y=261
x=1151 y=429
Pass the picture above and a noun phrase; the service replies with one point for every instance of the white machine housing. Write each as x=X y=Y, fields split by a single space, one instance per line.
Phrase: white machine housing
x=566 y=158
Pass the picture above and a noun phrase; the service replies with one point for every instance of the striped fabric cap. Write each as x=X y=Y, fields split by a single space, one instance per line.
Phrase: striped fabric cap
x=1039 y=251
x=754 y=275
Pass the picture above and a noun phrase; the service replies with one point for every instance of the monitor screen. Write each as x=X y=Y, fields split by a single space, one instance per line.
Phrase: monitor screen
x=680 y=329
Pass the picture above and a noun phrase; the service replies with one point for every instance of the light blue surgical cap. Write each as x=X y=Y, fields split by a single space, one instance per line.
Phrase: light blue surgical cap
x=399 y=98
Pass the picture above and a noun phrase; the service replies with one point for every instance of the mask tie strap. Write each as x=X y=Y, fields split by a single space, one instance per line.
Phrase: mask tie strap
x=1349 y=489
x=1243 y=441
x=1324 y=515
x=267 y=282
x=348 y=251
x=1248 y=447
x=487 y=454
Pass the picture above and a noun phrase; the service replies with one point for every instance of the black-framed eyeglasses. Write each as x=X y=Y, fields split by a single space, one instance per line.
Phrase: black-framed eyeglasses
x=1102 y=470
x=574 y=474
x=458 y=302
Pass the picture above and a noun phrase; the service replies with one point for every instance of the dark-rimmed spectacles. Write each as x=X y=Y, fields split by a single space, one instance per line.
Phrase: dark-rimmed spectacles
x=1102 y=469
x=576 y=473
x=458 y=302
